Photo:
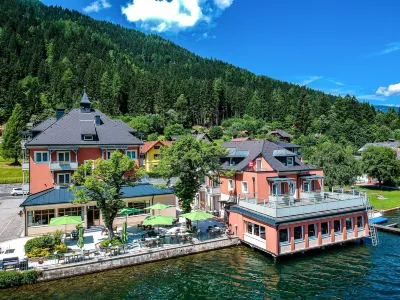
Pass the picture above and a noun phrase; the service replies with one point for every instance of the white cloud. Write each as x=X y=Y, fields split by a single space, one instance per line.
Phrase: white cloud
x=391 y=90
x=222 y=4
x=105 y=4
x=96 y=6
x=310 y=79
x=336 y=82
x=173 y=15
x=389 y=48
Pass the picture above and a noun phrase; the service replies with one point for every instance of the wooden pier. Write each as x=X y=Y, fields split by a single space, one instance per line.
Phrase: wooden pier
x=392 y=228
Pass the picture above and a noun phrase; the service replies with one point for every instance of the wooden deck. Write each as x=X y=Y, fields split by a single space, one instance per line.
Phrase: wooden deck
x=389 y=228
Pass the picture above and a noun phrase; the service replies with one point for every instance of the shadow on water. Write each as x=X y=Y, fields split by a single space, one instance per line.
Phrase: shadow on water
x=345 y=272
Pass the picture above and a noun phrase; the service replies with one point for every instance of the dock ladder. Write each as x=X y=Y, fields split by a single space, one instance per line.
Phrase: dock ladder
x=372 y=229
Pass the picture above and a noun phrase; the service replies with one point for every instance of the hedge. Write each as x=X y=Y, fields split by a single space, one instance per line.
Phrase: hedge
x=16 y=278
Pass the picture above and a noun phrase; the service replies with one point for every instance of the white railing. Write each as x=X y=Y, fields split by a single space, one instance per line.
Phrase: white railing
x=329 y=202
x=63 y=166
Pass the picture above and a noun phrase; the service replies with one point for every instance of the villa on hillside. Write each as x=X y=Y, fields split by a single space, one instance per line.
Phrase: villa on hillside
x=150 y=153
x=277 y=204
x=54 y=149
x=281 y=135
x=391 y=143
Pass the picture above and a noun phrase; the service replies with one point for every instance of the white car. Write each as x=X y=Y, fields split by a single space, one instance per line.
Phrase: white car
x=18 y=191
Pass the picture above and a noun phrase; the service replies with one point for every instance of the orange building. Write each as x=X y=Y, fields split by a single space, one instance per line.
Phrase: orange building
x=278 y=204
x=54 y=149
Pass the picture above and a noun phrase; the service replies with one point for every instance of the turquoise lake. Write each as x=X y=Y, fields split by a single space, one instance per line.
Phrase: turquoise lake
x=343 y=272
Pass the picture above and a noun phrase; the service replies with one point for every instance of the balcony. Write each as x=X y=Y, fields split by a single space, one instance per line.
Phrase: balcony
x=313 y=204
x=25 y=166
x=63 y=166
x=213 y=190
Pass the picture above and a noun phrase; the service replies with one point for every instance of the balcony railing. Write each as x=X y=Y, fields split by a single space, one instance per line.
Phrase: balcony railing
x=213 y=190
x=63 y=166
x=290 y=206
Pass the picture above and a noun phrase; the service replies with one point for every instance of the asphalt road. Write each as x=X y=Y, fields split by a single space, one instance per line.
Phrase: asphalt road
x=11 y=224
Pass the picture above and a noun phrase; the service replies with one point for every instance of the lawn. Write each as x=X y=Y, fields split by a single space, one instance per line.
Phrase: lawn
x=8 y=173
x=393 y=197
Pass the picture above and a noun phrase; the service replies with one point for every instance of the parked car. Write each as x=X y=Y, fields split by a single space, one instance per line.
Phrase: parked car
x=18 y=191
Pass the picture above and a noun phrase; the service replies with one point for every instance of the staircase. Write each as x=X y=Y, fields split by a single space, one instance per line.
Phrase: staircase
x=372 y=229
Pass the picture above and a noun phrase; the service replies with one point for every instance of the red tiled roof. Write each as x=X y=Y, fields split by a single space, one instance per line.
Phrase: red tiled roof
x=241 y=139
x=148 y=145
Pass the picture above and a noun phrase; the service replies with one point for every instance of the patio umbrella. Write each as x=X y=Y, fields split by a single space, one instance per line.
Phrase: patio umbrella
x=124 y=237
x=158 y=220
x=65 y=220
x=81 y=242
x=159 y=206
x=128 y=210
x=197 y=216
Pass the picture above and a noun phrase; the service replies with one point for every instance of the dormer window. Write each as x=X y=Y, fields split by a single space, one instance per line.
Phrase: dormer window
x=88 y=137
x=289 y=161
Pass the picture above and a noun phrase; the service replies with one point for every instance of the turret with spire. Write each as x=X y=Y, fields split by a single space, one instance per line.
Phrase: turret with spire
x=85 y=103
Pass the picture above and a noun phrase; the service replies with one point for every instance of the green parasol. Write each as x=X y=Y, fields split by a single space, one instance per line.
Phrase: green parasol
x=197 y=216
x=81 y=242
x=65 y=220
x=159 y=206
x=158 y=220
x=124 y=237
x=128 y=210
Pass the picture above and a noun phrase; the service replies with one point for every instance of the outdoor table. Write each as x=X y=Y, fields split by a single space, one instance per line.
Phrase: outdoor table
x=68 y=257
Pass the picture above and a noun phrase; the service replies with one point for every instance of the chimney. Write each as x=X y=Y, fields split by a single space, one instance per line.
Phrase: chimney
x=97 y=120
x=59 y=113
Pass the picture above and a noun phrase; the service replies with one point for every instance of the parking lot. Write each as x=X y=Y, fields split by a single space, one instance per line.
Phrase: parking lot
x=11 y=224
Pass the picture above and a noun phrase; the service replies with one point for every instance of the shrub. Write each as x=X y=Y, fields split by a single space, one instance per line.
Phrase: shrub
x=39 y=252
x=152 y=137
x=15 y=278
x=33 y=243
x=215 y=132
x=57 y=236
x=114 y=242
x=61 y=248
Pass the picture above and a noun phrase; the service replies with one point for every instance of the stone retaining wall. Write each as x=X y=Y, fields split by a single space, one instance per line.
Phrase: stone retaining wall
x=130 y=259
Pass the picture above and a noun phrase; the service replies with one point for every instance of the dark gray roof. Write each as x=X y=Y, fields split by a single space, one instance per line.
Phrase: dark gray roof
x=283 y=153
x=282 y=133
x=200 y=136
x=44 y=125
x=393 y=145
x=288 y=145
x=266 y=149
x=63 y=195
x=87 y=127
x=68 y=131
x=85 y=99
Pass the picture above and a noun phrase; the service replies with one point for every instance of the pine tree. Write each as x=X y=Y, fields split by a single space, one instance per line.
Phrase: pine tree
x=11 y=145
x=181 y=107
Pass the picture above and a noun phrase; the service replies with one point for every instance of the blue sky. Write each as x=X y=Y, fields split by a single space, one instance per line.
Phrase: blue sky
x=337 y=46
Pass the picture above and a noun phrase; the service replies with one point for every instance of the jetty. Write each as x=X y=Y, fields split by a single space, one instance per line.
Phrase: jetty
x=392 y=228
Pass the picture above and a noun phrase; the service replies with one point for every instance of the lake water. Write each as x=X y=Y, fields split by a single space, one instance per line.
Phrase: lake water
x=343 y=272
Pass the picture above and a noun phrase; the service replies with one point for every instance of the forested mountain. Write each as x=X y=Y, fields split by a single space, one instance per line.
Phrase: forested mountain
x=48 y=55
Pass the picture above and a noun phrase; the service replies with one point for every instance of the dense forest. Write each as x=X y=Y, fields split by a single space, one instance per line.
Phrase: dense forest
x=48 y=55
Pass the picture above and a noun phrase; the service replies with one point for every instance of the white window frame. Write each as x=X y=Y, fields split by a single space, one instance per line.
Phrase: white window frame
x=315 y=231
x=340 y=230
x=247 y=187
x=329 y=230
x=230 y=184
x=88 y=137
x=302 y=233
x=108 y=158
x=363 y=224
x=288 y=236
x=259 y=160
x=63 y=152
x=132 y=151
x=352 y=224
x=41 y=155
x=63 y=174
x=291 y=159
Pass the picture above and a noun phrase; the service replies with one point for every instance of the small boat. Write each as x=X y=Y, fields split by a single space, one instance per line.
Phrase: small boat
x=377 y=218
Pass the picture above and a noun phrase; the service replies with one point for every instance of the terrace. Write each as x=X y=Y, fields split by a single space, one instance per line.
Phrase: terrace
x=310 y=203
